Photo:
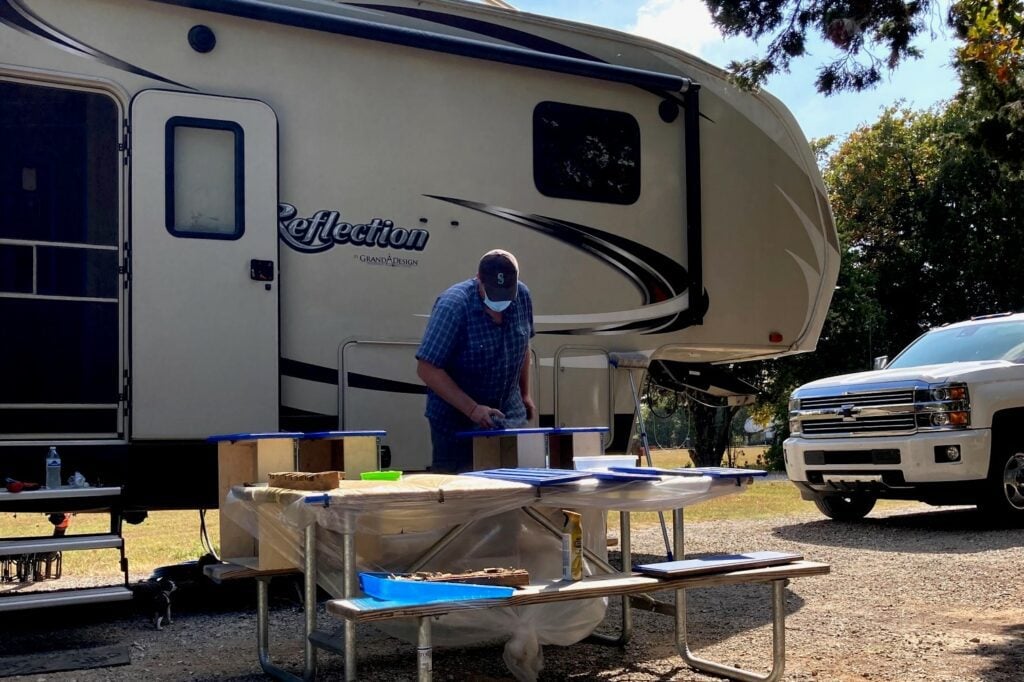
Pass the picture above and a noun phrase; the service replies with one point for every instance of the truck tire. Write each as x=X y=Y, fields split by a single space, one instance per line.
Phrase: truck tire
x=845 y=507
x=1003 y=500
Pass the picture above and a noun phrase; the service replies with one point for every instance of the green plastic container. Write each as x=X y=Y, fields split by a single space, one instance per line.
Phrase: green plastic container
x=381 y=475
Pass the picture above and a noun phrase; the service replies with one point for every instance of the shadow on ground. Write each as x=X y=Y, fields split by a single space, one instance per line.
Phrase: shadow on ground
x=56 y=629
x=1005 y=661
x=962 y=530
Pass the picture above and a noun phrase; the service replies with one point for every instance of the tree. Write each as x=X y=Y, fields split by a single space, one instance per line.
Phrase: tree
x=991 y=67
x=854 y=27
x=932 y=231
x=858 y=29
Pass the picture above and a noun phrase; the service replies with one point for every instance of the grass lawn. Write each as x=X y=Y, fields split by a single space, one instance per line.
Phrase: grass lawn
x=169 y=537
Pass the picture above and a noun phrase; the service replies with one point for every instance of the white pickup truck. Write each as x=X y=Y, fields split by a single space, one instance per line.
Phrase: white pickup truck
x=942 y=423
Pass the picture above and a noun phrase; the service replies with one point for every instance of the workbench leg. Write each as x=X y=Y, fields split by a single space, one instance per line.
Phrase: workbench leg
x=626 y=549
x=424 y=652
x=778 y=641
x=263 y=633
x=350 y=587
x=309 y=601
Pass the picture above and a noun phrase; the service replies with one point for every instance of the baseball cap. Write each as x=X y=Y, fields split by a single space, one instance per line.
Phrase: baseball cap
x=499 y=273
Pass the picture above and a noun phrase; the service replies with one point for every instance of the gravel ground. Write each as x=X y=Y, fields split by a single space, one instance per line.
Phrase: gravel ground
x=922 y=594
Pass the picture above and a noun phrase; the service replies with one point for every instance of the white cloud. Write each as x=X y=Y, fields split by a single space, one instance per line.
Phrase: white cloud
x=685 y=24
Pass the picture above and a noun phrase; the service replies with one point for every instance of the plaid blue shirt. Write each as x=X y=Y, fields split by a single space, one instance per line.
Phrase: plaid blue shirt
x=483 y=358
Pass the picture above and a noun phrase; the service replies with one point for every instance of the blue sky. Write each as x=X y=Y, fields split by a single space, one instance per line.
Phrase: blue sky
x=686 y=24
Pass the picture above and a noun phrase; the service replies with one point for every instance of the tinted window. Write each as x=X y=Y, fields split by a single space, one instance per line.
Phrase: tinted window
x=585 y=153
x=983 y=341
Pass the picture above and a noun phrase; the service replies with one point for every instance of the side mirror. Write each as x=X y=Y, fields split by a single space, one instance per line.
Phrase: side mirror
x=880 y=362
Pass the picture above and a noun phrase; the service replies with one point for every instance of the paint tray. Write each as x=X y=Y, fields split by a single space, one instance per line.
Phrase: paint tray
x=382 y=586
x=381 y=476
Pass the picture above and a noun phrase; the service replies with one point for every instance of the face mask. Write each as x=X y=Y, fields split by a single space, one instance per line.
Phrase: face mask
x=496 y=306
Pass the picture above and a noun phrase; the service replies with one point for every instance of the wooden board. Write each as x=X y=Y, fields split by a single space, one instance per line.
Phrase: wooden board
x=509 y=577
x=57 y=661
x=241 y=568
x=369 y=610
x=248 y=462
x=305 y=480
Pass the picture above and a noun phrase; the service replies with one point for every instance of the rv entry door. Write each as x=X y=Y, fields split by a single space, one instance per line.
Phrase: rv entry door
x=204 y=286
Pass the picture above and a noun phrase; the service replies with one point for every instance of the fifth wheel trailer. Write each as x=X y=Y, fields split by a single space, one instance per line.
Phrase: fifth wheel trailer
x=222 y=216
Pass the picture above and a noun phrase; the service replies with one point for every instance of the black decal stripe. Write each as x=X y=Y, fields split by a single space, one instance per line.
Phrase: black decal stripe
x=509 y=35
x=656 y=276
x=294 y=419
x=331 y=22
x=485 y=28
x=304 y=370
x=370 y=383
x=14 y=14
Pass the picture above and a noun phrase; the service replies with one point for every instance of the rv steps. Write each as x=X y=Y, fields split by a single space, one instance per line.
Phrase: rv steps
x=32 y=559
x=90 y=595
x=67 y=543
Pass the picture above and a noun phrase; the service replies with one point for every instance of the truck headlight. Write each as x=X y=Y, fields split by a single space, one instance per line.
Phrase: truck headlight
x=952 y=392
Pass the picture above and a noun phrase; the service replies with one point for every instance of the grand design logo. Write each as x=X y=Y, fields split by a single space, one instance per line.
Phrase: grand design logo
x=324 y=229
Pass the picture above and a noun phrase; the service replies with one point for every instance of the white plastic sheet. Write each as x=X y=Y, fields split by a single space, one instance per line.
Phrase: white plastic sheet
x=395 y=524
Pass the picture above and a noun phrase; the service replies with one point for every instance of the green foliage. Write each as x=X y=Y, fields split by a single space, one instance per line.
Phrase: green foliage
x=991 y=66
x=857 y=29
x=872 y=37
x=932 y=231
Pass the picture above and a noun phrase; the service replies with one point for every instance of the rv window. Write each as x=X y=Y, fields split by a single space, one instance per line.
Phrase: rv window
x=585 y=153
x=205 y=184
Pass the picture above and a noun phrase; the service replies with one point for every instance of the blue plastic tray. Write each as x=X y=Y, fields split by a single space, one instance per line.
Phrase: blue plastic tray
x=381 y=586
x=538 y=477
x=713 y=472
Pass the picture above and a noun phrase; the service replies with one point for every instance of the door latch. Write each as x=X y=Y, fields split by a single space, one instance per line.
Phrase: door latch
x=261 y=270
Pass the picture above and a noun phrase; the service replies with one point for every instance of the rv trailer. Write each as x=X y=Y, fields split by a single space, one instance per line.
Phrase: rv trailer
x=224 y=216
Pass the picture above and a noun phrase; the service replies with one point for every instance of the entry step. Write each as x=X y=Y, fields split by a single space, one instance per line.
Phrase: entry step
x=68 y=543
x=91 y=595
x=65 y=493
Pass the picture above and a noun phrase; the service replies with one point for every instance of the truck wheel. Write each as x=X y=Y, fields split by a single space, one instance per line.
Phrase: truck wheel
x=845 y=508
x=1004 y=497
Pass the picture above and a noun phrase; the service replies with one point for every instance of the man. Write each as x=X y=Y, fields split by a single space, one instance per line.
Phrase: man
x=475 y=359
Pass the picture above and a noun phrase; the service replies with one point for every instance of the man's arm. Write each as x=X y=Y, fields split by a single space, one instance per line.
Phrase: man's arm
x=438 y=381
x=524 y=386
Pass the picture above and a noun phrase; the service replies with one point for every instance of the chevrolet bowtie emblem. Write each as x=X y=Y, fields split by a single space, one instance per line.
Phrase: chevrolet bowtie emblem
x=847 y=412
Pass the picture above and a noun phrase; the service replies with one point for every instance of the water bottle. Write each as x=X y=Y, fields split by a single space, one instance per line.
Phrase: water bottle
x=52 y=469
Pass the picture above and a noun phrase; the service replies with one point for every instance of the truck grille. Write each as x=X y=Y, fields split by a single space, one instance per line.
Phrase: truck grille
x=872 y=412
x=860 y=426
x=873 y=399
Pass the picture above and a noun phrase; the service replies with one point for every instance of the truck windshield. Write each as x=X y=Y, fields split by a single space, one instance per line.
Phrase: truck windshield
x=983 y=341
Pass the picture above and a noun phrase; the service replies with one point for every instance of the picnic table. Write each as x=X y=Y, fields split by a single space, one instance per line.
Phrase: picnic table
x=430 y=517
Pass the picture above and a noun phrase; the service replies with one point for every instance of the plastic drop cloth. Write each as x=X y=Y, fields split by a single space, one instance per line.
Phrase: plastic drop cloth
x=396 y=523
